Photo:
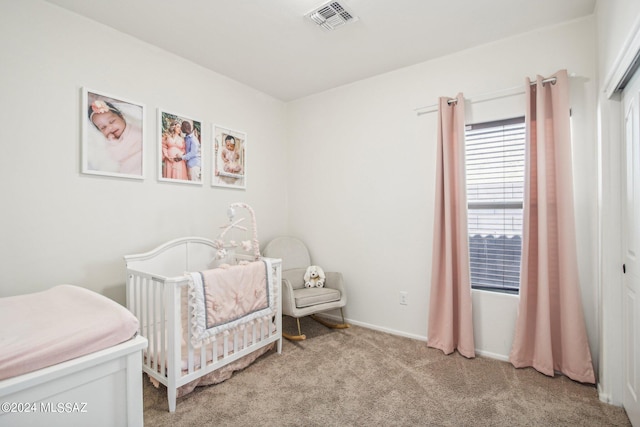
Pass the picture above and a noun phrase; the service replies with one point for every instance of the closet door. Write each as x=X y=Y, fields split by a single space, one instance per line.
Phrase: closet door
x=631 y=249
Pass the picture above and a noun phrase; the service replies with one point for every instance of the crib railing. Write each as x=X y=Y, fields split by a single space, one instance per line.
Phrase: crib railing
x=160 y=304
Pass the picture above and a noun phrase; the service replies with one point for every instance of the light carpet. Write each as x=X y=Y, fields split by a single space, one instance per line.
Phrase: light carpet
x=362 y=377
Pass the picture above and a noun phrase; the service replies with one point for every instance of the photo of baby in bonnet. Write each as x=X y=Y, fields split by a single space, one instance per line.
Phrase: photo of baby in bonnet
x=229 y=158
x=112 y=136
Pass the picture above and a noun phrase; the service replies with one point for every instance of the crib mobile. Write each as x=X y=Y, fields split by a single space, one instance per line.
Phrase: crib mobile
x=226 y=249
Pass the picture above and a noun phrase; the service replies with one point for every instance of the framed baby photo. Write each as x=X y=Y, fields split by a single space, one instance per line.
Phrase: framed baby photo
x=179 y=148
x=229 y=158
x=112 y=135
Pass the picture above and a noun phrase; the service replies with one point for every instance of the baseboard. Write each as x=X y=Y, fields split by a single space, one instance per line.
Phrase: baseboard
x=604 y=397
x=375 y=327
x=491 y=355
x=338 y=319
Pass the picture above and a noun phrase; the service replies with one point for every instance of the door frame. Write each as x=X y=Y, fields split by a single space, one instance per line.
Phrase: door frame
x=610 y=238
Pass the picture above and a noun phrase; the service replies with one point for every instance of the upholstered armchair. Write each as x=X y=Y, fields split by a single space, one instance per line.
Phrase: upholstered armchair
x=298 y=301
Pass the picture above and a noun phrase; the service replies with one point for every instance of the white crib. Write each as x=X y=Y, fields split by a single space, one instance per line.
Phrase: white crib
x=157 y=295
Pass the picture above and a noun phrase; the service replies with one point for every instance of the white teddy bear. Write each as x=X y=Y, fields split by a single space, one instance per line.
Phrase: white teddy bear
x=314 y=277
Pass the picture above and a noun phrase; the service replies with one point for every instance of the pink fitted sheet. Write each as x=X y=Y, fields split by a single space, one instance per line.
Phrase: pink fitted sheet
x=45 y=328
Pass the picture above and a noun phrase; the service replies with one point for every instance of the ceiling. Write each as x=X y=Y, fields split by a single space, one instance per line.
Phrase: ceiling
x=270 y=46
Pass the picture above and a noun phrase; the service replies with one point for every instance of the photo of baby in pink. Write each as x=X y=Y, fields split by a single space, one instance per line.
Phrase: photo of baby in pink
x=112 y=141
x=229 y=158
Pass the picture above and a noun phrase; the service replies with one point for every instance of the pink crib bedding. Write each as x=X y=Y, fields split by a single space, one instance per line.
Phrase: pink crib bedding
x=219 y=375
x=45 y=328
x=224 y=298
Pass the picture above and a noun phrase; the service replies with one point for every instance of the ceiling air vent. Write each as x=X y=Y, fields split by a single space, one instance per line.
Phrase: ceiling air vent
x=331 y=15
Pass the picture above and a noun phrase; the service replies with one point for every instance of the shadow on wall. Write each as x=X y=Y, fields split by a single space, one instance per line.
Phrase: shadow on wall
x=96 y=274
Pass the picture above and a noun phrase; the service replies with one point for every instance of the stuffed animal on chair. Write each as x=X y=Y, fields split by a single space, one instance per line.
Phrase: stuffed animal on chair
x=314 y=277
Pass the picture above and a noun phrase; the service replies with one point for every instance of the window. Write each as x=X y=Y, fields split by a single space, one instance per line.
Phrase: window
x=495 y=193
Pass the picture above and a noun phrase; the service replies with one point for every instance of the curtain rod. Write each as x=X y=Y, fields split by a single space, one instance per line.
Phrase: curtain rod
x=504 y=93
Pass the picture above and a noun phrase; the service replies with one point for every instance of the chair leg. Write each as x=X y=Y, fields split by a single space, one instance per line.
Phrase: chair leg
x=299 y=337
x=342 y=325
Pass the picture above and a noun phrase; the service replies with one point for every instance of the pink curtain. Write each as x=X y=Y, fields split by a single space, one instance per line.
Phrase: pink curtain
x=450 y=318
x=550 y=331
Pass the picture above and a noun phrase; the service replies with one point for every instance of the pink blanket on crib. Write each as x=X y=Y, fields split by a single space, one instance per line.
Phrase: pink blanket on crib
x=45 y=328
x=223 y=298
x=234 y=292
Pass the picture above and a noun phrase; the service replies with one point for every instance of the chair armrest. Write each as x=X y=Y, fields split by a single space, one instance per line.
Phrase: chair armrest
x=288 y=301
x=334 y=280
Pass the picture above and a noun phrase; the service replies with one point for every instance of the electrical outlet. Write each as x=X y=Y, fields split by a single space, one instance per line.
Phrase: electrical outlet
x=404 y=296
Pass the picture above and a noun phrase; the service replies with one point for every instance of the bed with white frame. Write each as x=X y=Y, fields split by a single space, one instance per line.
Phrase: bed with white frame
x=56 y=375
x=158 y=293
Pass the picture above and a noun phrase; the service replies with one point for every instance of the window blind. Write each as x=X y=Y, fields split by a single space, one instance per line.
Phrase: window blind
x=495 y=193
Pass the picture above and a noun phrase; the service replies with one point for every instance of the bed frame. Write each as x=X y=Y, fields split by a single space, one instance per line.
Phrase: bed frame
x=99 y=389
x=156 y=294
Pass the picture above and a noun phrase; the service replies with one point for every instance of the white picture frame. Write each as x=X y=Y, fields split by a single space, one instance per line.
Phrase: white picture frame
x=229 y=161
x=180 y=149
x=112 y=135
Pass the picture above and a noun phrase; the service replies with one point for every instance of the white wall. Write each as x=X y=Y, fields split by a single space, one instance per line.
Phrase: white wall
x=350 y=170
x=617 y=23
x=60 y=226
x=362 y=176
